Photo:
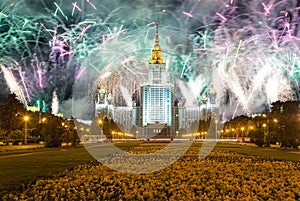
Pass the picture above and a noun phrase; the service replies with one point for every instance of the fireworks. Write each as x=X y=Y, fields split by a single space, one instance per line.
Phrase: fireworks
x=248 y=50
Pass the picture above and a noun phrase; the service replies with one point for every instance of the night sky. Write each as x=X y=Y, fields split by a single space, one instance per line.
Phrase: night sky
x=45 y=44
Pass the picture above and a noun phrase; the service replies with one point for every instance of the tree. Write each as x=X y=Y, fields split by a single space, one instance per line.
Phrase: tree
x=53 y=131
x=257 y=136
x=73 y=132
x=258 y=133
x=203 y=125
x=287 y=115
x=106 y=128
x=11 y=113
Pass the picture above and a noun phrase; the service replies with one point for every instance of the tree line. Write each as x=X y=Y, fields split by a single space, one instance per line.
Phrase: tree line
x=40 y=127
x=279 y=126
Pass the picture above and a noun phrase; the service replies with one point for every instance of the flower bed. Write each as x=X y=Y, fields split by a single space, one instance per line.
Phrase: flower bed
x=221 y=176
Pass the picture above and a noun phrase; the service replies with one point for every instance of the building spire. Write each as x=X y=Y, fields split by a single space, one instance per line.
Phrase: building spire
x=156 y=34
x=156 y=51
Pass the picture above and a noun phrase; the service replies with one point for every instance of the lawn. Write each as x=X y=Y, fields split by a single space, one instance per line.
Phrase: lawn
x=279 y=154
x=19 y=169
x=22 y=166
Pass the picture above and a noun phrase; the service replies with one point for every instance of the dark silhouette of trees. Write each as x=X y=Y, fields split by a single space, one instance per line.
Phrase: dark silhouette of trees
x=203 y=125
x=287 y=125
x=281 y=125
x=40 y=126
x=12 y=112
x=52 y=132
x=72 y=132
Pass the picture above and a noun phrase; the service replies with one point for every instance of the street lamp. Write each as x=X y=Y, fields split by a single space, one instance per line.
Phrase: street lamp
x=227 y=131
x=204 y=101
x=100 y=122
x=265 y=136
x=250 y=129
x=222 y=133
x=136 y=134
x=26 y=118
x=242 y=131
x=216 y=122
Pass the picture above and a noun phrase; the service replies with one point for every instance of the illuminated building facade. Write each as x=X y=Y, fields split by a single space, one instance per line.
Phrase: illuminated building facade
x=157 y=94
x=104 y=103
x=154 y=113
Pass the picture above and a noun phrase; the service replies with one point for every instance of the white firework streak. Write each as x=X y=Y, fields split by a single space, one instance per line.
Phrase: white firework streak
x=55 y=103
x=13 y=84
x=126 y=95
x=187 y=93
x=232 y=82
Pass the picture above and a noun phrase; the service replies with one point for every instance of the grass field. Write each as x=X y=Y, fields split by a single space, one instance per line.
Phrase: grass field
x=279 y=154
x=14 y=148
x=20 y=168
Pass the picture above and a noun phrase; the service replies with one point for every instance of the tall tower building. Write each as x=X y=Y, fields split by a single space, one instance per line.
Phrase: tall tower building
x=153 y=113
x=157 y=102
